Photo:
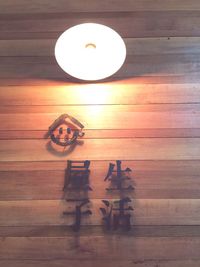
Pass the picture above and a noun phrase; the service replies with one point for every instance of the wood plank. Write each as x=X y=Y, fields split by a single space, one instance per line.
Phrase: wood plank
x=47 y=6
x=53 y=165
x=107 y=134
x=141 y=122
x=47 y=68
x=94 y=149
x=134 y=46
x=125 y=92
x=50 y=71
x=159 y=79
x=98 y=248
x=159 y=58
x=28 y=35
x=188 y=167
x=143 y=108
x=161 y=182
x=171 y=23
x=146 y=212
x=104 y=116
x=136 y=231
x=99 y=263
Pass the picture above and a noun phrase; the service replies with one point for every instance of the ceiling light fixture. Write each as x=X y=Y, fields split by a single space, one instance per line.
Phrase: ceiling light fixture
x=90 y=51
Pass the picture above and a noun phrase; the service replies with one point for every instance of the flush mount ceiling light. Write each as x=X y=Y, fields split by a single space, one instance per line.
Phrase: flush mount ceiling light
x=90 y=51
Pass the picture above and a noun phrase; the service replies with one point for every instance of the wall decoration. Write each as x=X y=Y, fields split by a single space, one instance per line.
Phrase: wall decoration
x=118 y=177
x=77 y=175
x=65 y=130
x=115 y=217
x=77 y=182
x=116 y=214
x=78 y=213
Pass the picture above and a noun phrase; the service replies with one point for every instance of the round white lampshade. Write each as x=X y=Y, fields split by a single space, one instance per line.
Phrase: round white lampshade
x=90 y=51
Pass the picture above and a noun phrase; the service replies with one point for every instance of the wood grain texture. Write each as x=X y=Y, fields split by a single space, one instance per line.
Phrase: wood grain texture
x=109 y=134
x=171 y=23
x=104 y=93
x=47 y=68
x=99 y=263
x=172 y=231
x=183 y=46
x=96 y=248
x=153 y=180
x=159 y=79
x=104 y=117
x=146 y=212
x=163 y=166
x=133 y=149
x=46 y=6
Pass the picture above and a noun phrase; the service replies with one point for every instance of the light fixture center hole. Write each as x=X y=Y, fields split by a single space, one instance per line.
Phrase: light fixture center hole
x=90 y=46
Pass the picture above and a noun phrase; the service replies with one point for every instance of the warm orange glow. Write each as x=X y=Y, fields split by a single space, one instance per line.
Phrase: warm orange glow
x=94 y=94
x=96 y=113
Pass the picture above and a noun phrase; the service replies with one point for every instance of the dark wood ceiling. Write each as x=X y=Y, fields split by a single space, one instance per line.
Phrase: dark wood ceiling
x=146 y=115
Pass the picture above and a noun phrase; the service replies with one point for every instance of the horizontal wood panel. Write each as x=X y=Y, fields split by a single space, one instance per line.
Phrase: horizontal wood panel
x=145 y=24
x=159 y=79
x=187 y=167
x=94 y=149
x=114 y=134
x=99 y=263
x=116 y=247
x=146 y=212
x=135 y=46
x=151 y=180
x=47 y=6
x=143 y=108
x=105 y=93
x=135 y=231
x=47 y=68
x=103 y=117
x=157 y=59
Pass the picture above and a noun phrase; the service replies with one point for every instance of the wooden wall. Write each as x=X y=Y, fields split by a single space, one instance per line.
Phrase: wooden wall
x=147 y=114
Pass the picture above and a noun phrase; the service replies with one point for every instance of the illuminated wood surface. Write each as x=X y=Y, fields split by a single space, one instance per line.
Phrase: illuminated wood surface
x=94 y=149
x=147 y=115
x=151 y=179
x=102 y=117
x=108 y=93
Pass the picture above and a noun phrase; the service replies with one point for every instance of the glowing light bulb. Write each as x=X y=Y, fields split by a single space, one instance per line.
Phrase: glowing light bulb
x=90 y=51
